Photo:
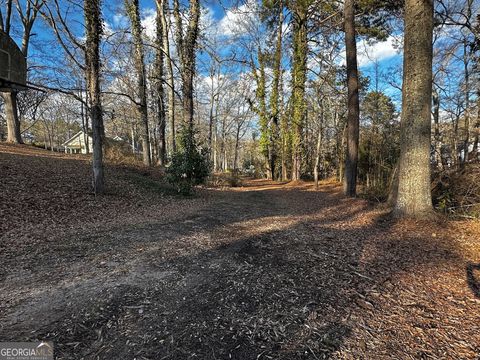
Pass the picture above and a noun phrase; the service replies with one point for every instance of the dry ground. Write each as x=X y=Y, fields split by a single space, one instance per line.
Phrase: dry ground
x=266 y=271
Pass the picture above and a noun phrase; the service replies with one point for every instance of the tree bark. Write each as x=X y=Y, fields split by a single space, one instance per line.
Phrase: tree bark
x=11 y=115
x=299 y=78
x=211 y=118
x=237 y=143
x=317 y=157
x=170 y=80
x=414 y=193
x=8 y=18
x=93 y=23
x=84 y=115
x=27 y=18
x=466 y=141
x=393 y=187
x=262 y=111
x=436 y=135
x=160 y=100
x=353 y=118
x=341 y=146
x=133 y=12
x=275 y=95
x=284 y=135
x=476 y=144
x=186 y=47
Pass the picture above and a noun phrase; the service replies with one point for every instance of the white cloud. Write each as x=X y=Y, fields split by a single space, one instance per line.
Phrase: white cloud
x=149 y=22
x=378 y=51
x=371 y=52
x=236 y=20
x=121 y=21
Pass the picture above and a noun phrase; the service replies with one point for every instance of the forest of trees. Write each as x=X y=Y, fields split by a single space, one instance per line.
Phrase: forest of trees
x=240 y=179
x=284 y=90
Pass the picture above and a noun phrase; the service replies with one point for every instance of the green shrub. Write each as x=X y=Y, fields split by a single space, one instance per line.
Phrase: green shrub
x=189 y=165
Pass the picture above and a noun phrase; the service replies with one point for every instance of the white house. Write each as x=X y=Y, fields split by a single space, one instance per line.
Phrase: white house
x=76 y=144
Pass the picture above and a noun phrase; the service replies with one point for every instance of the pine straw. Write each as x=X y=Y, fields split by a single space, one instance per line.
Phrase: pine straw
x=268 y=271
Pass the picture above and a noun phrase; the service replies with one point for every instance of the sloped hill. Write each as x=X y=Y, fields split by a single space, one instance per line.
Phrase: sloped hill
x=263 y=271
x=39 y=186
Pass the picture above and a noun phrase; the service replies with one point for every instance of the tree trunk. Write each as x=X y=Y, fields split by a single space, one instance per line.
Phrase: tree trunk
x=341 y=153
x=84 y=116
x=261 y=110
x=169 y=80
x=476 y=144
x=93 y=23
x=237 y=143
x=414 y=193
x=11 y=114
x=317 y=157
x=186 y=47
x=275 y=95
x=215 y=142
x=160 y=100
x=10 y=98
x=215 y=152
x=455 y=159
x=211 y=120
x=225 y=158
x=8 y=17
x=393 y=187
x=353 y=119
x=436 y=136
x=284 y=134
x=134 y=15
x=299 y=78
x=284 y=161
x=134 y=147
x=466 y=141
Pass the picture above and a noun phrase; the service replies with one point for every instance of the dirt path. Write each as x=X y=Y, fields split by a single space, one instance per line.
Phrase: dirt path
x=267 y=271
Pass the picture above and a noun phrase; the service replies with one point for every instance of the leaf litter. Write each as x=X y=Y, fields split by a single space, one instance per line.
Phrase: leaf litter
x=262 y=271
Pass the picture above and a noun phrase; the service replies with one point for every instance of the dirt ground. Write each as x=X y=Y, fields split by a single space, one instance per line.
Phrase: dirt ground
x=264 y=271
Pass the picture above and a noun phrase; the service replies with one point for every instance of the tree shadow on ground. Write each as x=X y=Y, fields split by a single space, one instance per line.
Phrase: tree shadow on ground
x=472 y=279
x=256 y=275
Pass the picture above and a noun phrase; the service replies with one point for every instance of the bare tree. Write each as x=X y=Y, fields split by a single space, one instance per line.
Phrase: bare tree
x=159 y=84
x=133 y=13
x=186 y=47
x=27 y=17
x=299 y=78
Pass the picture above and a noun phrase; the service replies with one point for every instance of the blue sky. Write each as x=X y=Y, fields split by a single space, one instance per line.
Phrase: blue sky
x=43 y=41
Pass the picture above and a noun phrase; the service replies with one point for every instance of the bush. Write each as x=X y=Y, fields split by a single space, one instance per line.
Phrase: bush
x=119 y=153
x=457 y=191
x=226 y=179
x=189 y=165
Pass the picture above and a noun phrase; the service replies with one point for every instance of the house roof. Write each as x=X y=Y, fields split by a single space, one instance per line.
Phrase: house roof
x=81 y=132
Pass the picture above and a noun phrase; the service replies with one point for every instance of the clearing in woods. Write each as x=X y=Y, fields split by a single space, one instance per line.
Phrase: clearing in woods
x=264 y=271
